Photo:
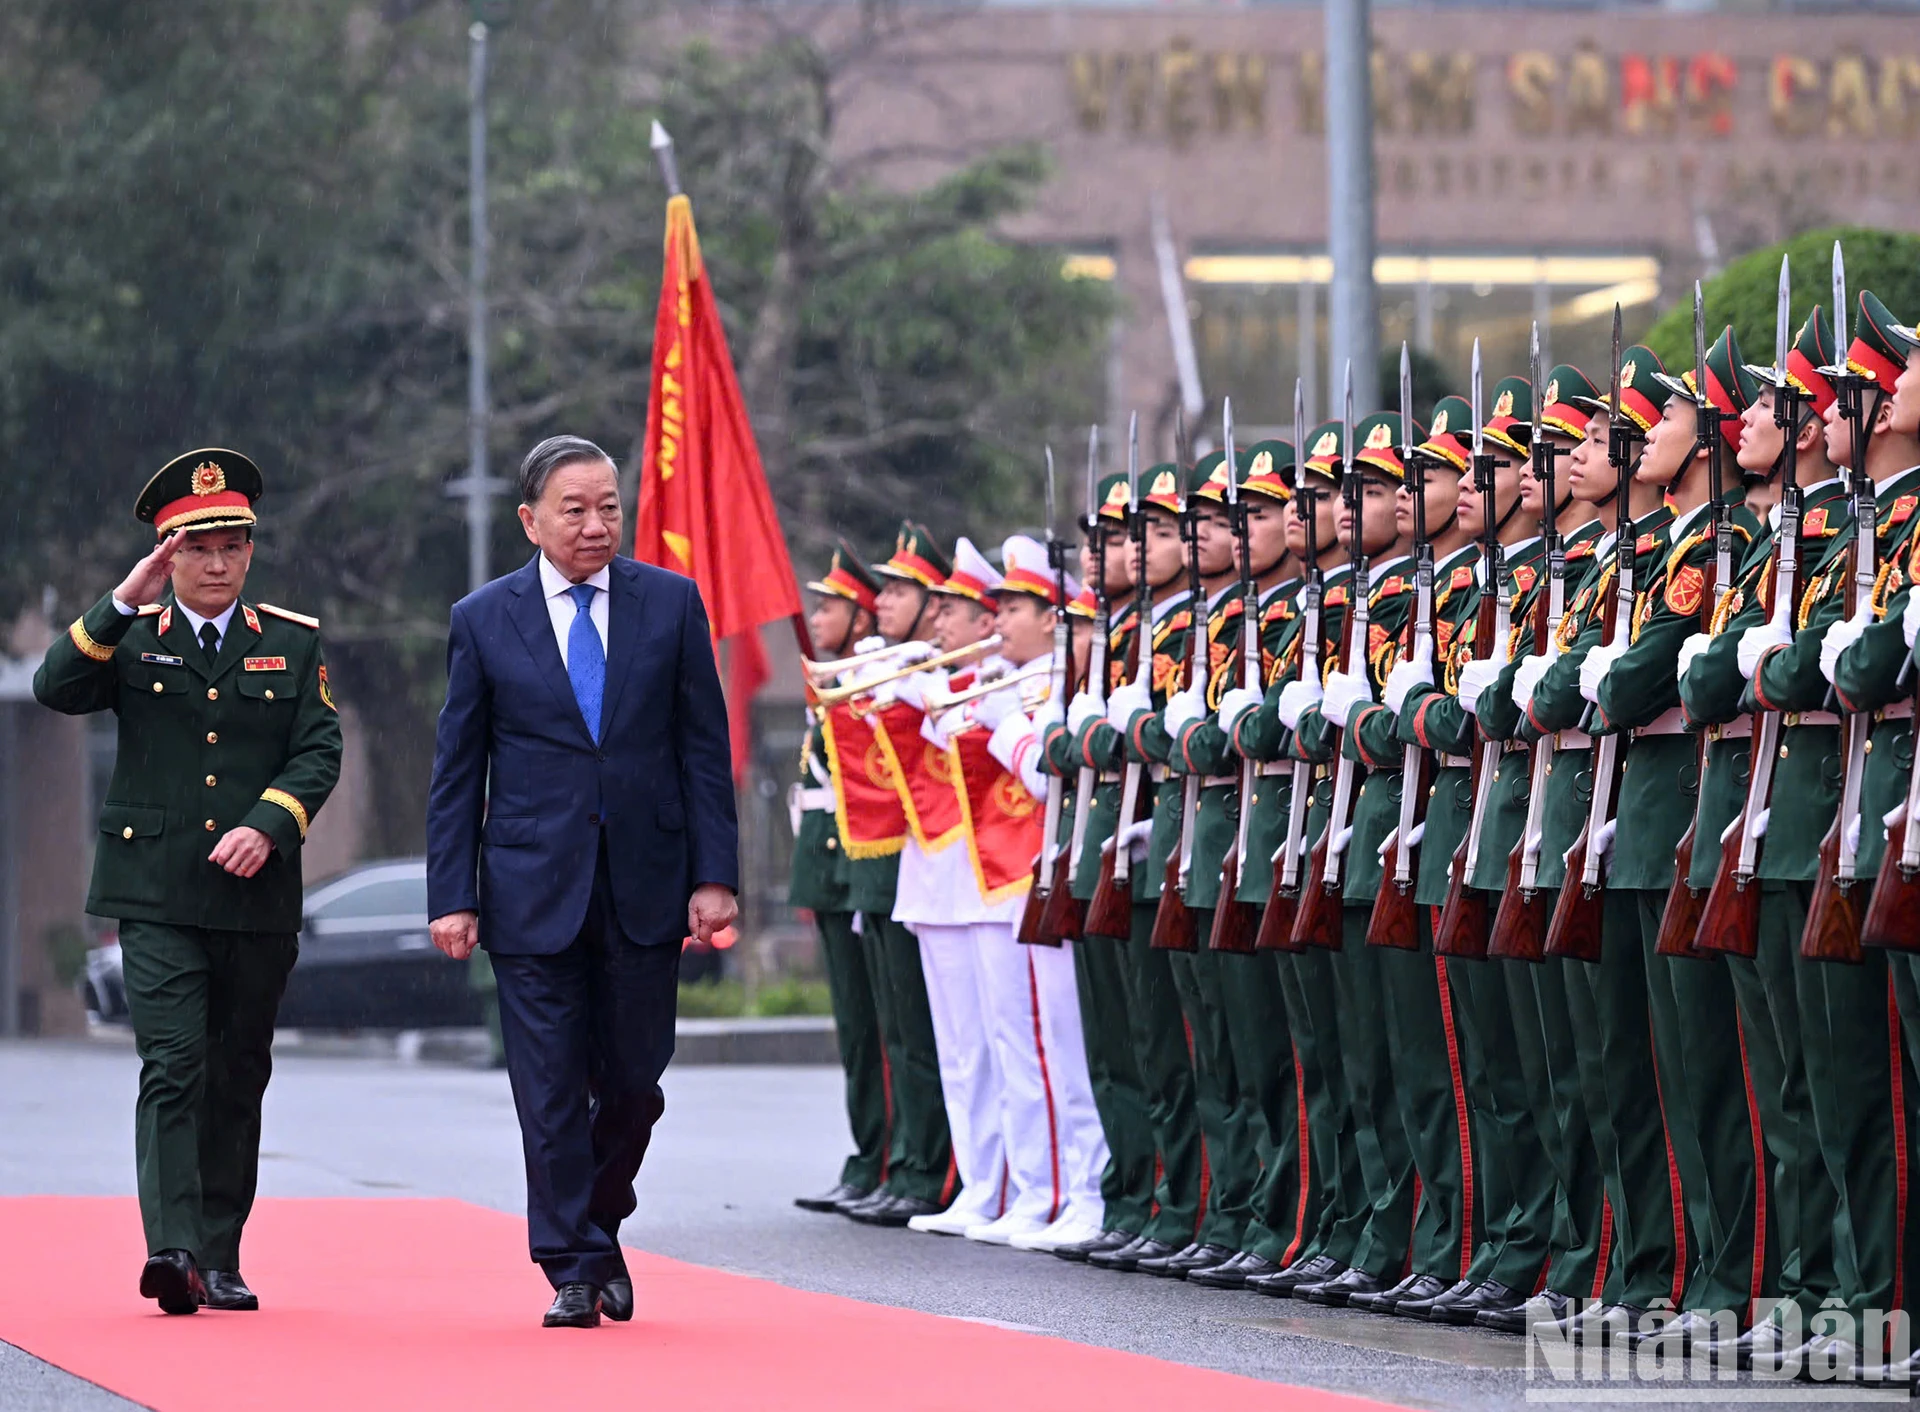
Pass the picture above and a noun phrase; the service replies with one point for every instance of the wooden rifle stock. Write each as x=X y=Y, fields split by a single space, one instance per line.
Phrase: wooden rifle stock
x=1574 y=931
x=1833 y=917
x=1028 y=932
x=1110 y=913
x=1234 y=921
x=1316 y=920
x=1396 y=916
x=1520 y=926
x=1462 y=933
x=1276 y=919
x=1893 y=916
x=1173 y=924
x=1063 y=916
x=1729 y=921
x=1680 y=921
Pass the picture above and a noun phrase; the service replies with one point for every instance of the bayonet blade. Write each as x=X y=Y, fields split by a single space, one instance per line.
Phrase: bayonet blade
x=1052 y=530
x=1226 y=431
x=1699 y=348
x=1533 y=376
x=1842 y=320
x=1133 y=463
x=1613 y=372
x=1782 y=325
x=1299 y=433
x=1475 y=392
x=1346 y=424
x=1406 y=407
x=1093 y=471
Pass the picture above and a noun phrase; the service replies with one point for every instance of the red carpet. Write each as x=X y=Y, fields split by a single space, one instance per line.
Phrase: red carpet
x=454 y=1323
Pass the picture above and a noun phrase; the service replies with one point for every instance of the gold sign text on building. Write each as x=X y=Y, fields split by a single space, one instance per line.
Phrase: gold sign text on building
x=1179 y=92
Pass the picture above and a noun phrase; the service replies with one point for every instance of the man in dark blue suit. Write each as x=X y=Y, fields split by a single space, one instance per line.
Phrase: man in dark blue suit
x=580 y=826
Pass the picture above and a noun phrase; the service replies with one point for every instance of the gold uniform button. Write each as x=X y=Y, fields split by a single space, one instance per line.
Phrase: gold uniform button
x=213 y=737
x=1783 y=752
x=209 y=825
x=211 y=781
x=159 y=687
x=213 y=693
x=127 y=832
x=1869 y=749
x=269 y=693
x=832 y=844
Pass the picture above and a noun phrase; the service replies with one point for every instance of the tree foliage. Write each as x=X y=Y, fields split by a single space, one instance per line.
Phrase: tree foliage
x=1744 y=294
x=223 y=222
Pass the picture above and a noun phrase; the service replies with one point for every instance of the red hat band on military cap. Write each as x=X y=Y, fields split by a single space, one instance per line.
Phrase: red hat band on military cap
x=1020 y=580
x=1870 y=362
x=915 y=568
x=1802 y=373
x=1723 y=402
x=1387 y=460
x=967 y=586
x=842 y=584
x=184 y=512
x=1566 y=419
x=1639 y=406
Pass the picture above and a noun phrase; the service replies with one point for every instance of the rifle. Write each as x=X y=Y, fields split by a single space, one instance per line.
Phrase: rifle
x=1520 y=926
x=1833 y=917
x=1233 y=920
x=1050 y=869
x=1893 y=916
x=1317 y=922
x=1730 y=922
x=1110 y=913
x=1276 y=922
x=1065 y=917
x=1575 y=927
x=1395 y=920
x=1680 y=922
x=1463 y=919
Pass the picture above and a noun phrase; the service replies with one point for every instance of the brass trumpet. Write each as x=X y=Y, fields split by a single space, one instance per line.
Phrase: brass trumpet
x=818 y=672
x=834 y=695
x=938 y=702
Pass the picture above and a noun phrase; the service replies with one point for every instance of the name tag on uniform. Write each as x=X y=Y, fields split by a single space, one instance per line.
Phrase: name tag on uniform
x=162 y=659
x=265 y=664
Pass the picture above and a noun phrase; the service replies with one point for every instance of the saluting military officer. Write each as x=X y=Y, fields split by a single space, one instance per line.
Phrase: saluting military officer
x=229 y=743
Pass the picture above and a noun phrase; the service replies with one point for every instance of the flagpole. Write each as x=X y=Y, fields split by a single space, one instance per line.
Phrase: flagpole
x=662 y=143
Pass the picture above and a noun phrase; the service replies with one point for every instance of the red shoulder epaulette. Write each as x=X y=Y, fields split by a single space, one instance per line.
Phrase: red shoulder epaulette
x=1524 y=576
x=1644 y=544
x=1462 y=577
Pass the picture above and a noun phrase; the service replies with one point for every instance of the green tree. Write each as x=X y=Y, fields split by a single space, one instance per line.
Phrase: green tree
x=1744 y=294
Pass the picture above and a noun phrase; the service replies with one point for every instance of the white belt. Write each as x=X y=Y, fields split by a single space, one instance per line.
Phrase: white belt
x=1572 y=740
x=1739 y=728
x=1672 y=721
x=1816 y=718
x=815 y=800
x=1456 y=762
x=1899 y=711
x=1111 y=777
x=1218 y=781
x=1159 y=774
x=1269 y=768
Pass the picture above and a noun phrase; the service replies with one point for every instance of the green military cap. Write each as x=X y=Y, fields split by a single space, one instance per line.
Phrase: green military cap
x=1111 y=496
x=847 y=577
x=1511 y=421
x=1878 y=351
x=1567 y=401
x=916 y=558
x=1811 y=350
x=1326 y=451
x=1208 y=478
x=1731 y=386
x=1907 y=334
x=1161 y=488
x=212 y=488
x=1450 y=434
x=1263 y=469
x=1380 y=439
x=1642 y=395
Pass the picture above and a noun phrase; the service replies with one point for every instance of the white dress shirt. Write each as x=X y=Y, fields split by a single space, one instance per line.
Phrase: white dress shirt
x=194 y=620
x=561 y=608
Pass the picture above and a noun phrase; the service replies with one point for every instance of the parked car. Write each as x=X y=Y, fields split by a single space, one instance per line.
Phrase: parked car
x=366 y=960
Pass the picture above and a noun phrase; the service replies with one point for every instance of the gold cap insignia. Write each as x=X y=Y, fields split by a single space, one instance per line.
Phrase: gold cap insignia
x=1165 y=484
x=1440 y=422
x=209 y=479
x=900 y=542
x=1553 y=392
x=1327 y=445
x=1262 y=465
x=1380 y=438
x=1628 y=371
x=1117 y=493
x=1503 y=405
x=1219 y=476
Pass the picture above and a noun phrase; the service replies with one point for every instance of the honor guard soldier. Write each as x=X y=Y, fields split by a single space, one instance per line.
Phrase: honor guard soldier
x=842 y=615
x=229 y=743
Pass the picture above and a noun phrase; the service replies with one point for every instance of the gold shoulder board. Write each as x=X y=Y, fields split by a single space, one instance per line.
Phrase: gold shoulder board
x=290 y=616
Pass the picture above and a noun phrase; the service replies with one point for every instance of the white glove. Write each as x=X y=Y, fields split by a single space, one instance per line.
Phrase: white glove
x=990 y=710
x=1853 y=836
x=868 y=644
x=1760 y=823
x=1234 y=705
x=1692 y=648
x=940 y=730
x=1135 y=839
x=1475 y=678
x=1083 y=708
x=1393 y=837
x=1295 y=698
x=1401 y=681
x=1127 y=699
x=912 y=654
x=913 y=689
x=1756 y=642
x=1340 y=842
x=1047 y=716
x=1910 y=619
x=888 y=692
x=1344 y=692
x=1602 y=842
x=1594 y=669
x=1842 y=635
x=1526 y=678
x=1183 y=709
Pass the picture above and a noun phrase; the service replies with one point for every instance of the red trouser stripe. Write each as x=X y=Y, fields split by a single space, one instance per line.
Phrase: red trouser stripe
x=1673 y=1183
x=1606 y=1248
x=1459 y=1110
x=1306 y=1159
x=1206 y=1166
x=1899 y=1151
x=1046 y=1083
x=1759 y=1178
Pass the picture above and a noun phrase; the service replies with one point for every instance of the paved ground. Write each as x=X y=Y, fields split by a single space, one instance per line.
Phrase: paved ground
x=736 y=1145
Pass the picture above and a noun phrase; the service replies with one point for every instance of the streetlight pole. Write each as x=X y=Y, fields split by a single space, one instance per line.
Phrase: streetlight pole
x=1351 y=307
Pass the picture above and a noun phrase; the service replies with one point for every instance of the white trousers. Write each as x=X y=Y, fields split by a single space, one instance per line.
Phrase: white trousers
x=1055 y=1148
x=969 y=1078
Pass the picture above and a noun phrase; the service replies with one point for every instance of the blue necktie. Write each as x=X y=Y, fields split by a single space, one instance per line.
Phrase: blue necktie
x=586 y=659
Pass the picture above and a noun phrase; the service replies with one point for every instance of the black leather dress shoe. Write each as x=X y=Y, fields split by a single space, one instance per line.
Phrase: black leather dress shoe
x=1334 y=1293
x=226 y=1290
x=1164 y=1264
x=1829 y=1359
x=1549 y=1307
x=1464 y=1309
x=1182 y=1263
x=1761 y=1347
x=1282 y=1283
x=1106 y=1240
x=1608 y=1323
x=830 y=1201
x=575 y=1306
x=895 y=1211
x=616 y=1299
x=172 y=1278
x=874 y=1199
x=1235 y=1273
x=1128 y=1257
x=1388 y=1300
x=1691 y=1330
x=1423 y=1308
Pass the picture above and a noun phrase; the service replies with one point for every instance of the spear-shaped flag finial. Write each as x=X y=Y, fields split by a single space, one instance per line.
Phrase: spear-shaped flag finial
x=662 y=144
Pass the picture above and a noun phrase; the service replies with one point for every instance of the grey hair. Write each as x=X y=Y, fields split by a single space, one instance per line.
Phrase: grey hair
x=548 y=457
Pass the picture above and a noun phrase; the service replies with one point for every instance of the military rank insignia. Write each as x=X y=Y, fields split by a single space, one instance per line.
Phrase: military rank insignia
x=1685 y=589
x=1902 y=511
x=1524 y=576
x=1462 y=577
x=326 y=692
x=253 y=618
x=264 y=664
x=1644 y=544
x=1816 y=524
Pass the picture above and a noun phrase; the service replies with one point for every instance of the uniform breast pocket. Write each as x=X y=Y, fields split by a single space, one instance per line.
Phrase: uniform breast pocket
x=268 y=688
x=131 y=823
x=157 y=679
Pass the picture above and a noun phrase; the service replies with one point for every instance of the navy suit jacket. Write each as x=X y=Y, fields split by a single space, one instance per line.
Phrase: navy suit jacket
x=522 y=796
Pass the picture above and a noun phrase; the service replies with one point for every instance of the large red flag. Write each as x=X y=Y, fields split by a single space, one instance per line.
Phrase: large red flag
x=704 y=507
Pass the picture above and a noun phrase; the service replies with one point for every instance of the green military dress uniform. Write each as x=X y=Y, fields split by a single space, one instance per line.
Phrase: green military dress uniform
x=249 y=738
x=819 y=882
x=1695 y=1018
